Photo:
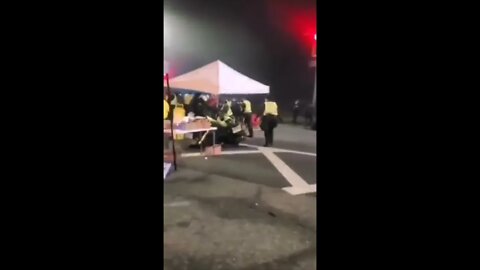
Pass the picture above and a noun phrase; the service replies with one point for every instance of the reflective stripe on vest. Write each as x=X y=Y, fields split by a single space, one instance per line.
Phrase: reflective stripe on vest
x=248 y=106
x=271 y=108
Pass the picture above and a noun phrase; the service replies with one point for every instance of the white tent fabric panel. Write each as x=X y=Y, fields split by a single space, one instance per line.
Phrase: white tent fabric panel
x=233 y=82
x=204 y=79
x=217 y=78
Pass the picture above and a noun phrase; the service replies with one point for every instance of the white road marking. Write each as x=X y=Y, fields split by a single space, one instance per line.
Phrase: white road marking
x=176 y=204
x=281 y=150
x=301 y=190
x=166 y=169
x=240 y=152
x=278 y=150
x=298 y=185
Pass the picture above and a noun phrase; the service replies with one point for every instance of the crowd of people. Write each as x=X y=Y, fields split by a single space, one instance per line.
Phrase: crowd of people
x=232 y=117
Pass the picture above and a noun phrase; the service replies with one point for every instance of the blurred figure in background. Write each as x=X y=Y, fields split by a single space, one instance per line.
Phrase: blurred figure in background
x=212 y=107
x=197 y=105
x=309 y=115
x=296 y=110
x=237 y=110
x=187 y=101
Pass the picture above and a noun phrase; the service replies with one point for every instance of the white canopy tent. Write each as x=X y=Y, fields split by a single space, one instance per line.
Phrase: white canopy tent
x=218 y=79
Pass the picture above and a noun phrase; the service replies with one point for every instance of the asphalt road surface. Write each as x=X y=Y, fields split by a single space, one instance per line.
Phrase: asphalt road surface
x=250 y=208
x=256 y=167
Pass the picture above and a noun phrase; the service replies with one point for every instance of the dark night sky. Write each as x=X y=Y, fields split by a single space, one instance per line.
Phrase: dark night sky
x=267 y=40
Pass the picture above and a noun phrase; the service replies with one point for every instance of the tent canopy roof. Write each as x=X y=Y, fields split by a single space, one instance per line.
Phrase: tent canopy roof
x=217 y=78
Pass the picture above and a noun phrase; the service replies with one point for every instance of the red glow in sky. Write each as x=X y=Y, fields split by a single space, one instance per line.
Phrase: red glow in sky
x=298 y=19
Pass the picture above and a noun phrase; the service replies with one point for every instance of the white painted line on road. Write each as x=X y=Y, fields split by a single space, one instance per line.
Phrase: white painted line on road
x=301 y=190
x=239 y=152
x=280 y=150
x=176 y=204
x=299 y=186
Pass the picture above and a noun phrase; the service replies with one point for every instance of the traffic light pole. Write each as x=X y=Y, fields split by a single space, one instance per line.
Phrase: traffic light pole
x=314 y=101
x=314 y=55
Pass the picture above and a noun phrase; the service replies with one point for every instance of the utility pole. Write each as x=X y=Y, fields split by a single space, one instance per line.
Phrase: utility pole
x=314 y=101
x=314 y=63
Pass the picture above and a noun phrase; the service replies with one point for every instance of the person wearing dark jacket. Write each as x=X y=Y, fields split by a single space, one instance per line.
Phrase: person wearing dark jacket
x=237 y=110
x=296 y=110
x=309 y=115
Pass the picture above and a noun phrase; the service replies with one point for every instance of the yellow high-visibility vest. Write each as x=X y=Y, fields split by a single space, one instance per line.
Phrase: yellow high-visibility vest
x=166 y=109
x=271 y=108
x=178 y=113
x=248 y=106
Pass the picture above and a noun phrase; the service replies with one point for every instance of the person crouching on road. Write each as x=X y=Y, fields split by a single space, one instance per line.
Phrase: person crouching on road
x=269 y=120
x=227 y=131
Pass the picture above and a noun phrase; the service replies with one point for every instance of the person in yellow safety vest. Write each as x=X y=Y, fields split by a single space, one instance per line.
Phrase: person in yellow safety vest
x=179 y=111
x=247 y=116
x=269 y=121
x=166 y=109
